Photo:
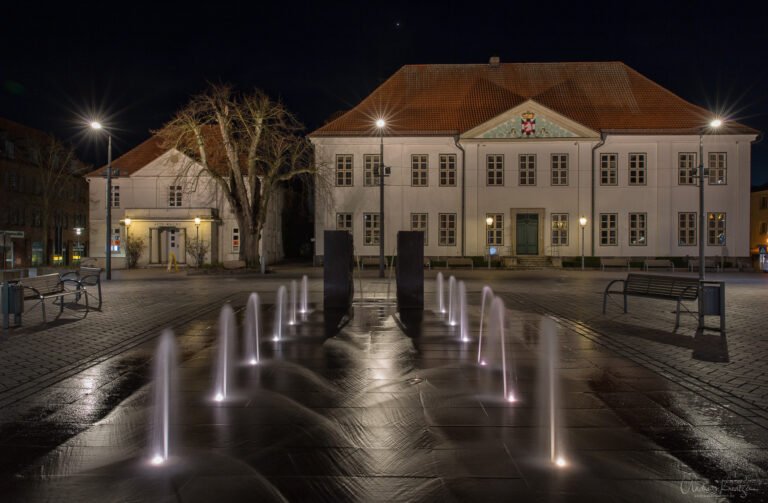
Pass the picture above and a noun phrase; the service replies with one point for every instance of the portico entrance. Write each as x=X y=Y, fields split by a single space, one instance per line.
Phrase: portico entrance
x=166 y=240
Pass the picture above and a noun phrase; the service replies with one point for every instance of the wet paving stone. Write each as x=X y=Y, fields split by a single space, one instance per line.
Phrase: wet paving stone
x=382 y=411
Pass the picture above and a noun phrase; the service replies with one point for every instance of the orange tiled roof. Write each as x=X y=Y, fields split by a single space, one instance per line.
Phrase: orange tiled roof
x=136 y=158
x=452 y=99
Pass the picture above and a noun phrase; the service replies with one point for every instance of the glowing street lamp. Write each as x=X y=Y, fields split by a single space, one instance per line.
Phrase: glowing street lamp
x=713 y=125
x=380 y=123
x=489 y=223
x=197 y=228
x=96 y=125
x=583 y=224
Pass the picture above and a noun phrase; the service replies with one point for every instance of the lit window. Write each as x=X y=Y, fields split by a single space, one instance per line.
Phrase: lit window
x=371 y=228
x=447 y=235
x=371 y=170
x=344 y=222
x=716 y=229
x=609 y=169
x=174 y=196
x=527 y=169
x=495 y=231
x=717 y=168
x=559 y=229
x=637 y=229
x=447 y=170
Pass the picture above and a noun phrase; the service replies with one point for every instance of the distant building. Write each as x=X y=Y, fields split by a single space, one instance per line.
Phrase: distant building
x=533 y=148
x=24 y=234
x=153 y=188
x=759 y=218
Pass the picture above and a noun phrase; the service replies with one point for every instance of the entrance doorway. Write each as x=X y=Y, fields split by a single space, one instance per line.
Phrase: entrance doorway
x=166 y=240
x=527 y=234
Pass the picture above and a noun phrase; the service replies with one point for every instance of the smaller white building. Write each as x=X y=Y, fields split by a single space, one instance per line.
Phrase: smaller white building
x=156 y=193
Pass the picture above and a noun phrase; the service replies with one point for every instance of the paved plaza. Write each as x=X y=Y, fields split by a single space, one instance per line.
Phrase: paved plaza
x=389 y=407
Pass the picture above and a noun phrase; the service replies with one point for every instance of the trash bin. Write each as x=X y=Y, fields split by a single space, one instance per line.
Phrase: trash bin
x=712 y=303
x=11 y=302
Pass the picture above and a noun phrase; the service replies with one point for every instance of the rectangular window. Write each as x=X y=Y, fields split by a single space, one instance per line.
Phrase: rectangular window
x=686 y=168
x=494 y=235
x=637 y=169
x=419 y=222
x=763 y=227
x=559 y=229
x=344 y=222
x=447 y=234
x=235 y=240
x=447 y=170
x=716 y=229
x=115 y=246
x=174 y=196
x=686 y=229
x=371 y=229
x=717 y=168
x=495 y=169
x=115 y=196
x=609 y=169
x=638 y=225
x=764 y=202
x=344 y=170
x=527 y=169
x=559 y=169
x=371 y=163
x=608 y=230
x=419 y=173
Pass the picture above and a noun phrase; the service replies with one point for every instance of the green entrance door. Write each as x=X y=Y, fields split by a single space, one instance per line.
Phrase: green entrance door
x=527 y=231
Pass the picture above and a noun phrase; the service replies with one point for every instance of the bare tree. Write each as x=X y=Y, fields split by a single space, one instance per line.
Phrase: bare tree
x=56 y=164
x=248 y=144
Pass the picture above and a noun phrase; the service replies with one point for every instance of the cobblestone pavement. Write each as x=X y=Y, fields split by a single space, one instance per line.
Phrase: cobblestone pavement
x=63 y=380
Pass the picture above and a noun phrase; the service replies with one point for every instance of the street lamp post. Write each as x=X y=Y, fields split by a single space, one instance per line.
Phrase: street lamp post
x=197 y=230
x=108 y=241
x=488 y=223
x=380 y=123
x=716 y=123
x=583 y=224
x=78 y=233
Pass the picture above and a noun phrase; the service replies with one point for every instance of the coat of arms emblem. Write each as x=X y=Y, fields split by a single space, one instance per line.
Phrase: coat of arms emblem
x=528 y=124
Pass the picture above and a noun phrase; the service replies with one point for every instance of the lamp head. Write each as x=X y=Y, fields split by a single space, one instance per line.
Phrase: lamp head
x=380 y=123
x=127 y=221
x=96 y=125
x=583 y=221
x=716 y=123
x=197 y=220
x=489 y=220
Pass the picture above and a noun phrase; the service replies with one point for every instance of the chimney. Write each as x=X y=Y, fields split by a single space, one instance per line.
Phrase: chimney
x=494 y=61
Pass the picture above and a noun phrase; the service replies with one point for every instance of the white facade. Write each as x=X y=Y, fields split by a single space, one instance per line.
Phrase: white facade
x=162 y=200
x=658 y=201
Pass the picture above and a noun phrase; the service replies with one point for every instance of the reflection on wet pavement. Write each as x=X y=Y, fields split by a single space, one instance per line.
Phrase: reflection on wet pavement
x=379 y=406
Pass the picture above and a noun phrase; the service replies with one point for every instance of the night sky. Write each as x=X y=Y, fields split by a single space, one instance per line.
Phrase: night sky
x=134 y=64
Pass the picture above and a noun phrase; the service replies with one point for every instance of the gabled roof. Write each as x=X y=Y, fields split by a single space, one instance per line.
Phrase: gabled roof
x=136 y=158
x=20 y=131
x=452 y=99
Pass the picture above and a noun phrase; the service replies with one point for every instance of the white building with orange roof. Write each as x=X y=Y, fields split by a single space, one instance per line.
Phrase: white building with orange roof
x=161 y=198
x=532 y=149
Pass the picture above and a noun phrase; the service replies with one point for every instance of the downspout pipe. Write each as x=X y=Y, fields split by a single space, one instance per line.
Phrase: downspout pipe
x=463 y=194
x=603 y=137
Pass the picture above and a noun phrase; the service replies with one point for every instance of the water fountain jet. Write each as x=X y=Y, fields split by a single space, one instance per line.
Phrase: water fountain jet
x=226 y=351
x=165 y=365
x=304 y=295
x=293 y=320
x=280 y=313
x=453 y=308
x=487 y=298
x=440 y=296
x=252 y=329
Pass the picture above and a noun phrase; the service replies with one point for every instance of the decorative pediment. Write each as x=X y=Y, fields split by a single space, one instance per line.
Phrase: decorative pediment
x=530 y=121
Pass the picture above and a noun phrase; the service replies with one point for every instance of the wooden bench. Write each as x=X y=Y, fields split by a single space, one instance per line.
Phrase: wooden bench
x=709 y=263
x=87 y=277
x=614 y=262
x=658 y=264
x=459 y=261
x=656 y=287
x=52 y=286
